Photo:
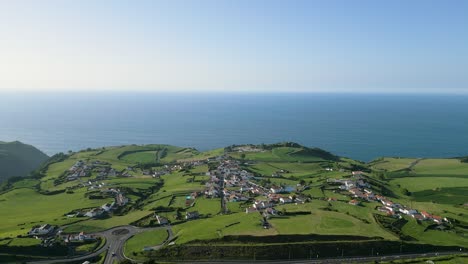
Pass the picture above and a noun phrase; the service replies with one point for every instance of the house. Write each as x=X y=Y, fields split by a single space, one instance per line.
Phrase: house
x=245 y=189
x=262 y=205
x=271 y=211
x=437 y=219
x=354 y=202
x=274 y=197
x=120 y=199
x=276 y=189
x=250 y=210
x=285 y=200
x=107 y=207
x=357 y=173
x=426 y=215
x=162 y=220
x=349 y=184
x=192 y=215
x=94 y=212
x=386 y=202
x=418 y=216
x=41 y=231
x=189 y=202
x=408 y=211
x=78 y=237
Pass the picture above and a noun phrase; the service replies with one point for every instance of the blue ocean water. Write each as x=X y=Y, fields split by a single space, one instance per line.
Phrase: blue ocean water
x=360 y=126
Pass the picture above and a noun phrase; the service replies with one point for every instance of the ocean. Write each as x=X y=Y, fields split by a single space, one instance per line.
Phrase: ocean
x=359 y=126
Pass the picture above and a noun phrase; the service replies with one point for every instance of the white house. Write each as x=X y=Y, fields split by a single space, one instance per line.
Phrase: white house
x=42 y=230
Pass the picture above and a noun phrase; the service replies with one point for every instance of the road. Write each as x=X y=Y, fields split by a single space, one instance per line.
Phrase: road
x=331 y=260
x=115 y=240
x=116 y=237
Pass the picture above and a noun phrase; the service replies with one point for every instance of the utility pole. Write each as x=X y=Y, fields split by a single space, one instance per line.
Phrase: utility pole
x=342 y=252
x=372 y=254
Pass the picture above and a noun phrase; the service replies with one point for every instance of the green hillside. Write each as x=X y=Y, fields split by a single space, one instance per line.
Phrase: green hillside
x=285 y=151
x=18 y=159
x=322 y=213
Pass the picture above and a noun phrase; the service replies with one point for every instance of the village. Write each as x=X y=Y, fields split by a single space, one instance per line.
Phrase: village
x=231 y=183
x=360 y=190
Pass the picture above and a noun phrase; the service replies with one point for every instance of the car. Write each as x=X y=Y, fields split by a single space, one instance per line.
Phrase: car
x=113 y=254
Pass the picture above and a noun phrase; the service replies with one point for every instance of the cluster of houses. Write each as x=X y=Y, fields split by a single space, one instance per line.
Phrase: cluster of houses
x=93 y=184
x=83 y=169
x=107 y=171
x=79 y=169
x=247 y=148
x=267 y=207
x=227 y=176
x=43 y=230
x=233 y=184
x=81 y=237
x=359 y=189
x=46 y=233
x=395 y=209
x=167 y=169
x=119 y=200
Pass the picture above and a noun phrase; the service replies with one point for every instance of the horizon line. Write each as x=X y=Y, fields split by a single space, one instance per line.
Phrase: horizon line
x=177 y=92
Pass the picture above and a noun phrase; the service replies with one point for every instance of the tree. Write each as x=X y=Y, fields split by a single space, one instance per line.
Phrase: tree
x=242 y=156
x=179 y=214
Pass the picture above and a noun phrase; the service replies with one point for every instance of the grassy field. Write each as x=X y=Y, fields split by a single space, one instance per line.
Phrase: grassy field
x=205 y=155
x=218 y=226
x=294 y=169
x=207 y=206
x=416 y=184
x=177 y=182
x=441 y=167
x=281 y=154
x=24 y=208
x=392 y=164
x=329 y=222
x=94 y=225
x=438 y=186
x=142 y=157
x=146 y=239
x=420 y=232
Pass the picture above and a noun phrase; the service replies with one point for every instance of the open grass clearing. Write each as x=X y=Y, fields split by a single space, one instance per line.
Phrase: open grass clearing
x=415 y=184
x=39 y=209
x=392 y=164
x=145 y=239
x=219 y=226
x=442 y=167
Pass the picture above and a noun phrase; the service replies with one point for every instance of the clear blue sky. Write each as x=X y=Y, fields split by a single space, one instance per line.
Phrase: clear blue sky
x=239 y=45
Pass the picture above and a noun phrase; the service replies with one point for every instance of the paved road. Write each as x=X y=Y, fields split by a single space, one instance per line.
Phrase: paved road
x=332 y=260
x=116 y=237
x=115 y=240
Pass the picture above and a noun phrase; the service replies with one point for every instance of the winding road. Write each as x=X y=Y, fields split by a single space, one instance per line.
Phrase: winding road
x=115 y=240
x=117 y=236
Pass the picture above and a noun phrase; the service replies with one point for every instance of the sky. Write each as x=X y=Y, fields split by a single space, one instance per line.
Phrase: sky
x=240 y=45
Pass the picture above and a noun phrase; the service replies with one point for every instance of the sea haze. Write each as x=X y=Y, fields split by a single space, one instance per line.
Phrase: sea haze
x=360 y=126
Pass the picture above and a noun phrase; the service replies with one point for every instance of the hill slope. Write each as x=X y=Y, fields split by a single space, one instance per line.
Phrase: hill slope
x=18 y=159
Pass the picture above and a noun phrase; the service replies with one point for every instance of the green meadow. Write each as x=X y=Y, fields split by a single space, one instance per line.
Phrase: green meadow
x=142 y=240
x=24 y=208
x=438 y=186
